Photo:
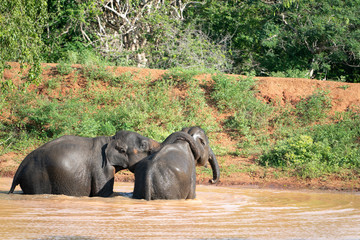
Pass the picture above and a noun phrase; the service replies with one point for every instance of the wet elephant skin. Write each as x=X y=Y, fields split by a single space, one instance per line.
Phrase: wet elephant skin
x=80 y=166
x=170 y=173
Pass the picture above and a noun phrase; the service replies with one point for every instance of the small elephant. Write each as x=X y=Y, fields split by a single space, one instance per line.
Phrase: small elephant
x=170 y=172
x=80 y=166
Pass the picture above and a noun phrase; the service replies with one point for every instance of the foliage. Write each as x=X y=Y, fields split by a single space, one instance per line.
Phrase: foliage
x=314 y=108
x=64 y=68
x=232 y=23
x=320 y=38
x=312 y=39
x=325 y=30
x=21 y=26
x=249 y=117
x=238 y=96
x=288 y=119
x=152 y=108
x=7 y=85
x=186 y=48
x=316 y=150
x=291 y=73
x=301 y=153
x=324 y=149
x=68 y=25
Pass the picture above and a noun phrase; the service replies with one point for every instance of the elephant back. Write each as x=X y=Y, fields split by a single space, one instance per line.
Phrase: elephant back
x=183 y=136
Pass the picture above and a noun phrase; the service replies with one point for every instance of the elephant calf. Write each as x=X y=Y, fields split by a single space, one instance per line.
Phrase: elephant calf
x=170 y=172
x=80 y=166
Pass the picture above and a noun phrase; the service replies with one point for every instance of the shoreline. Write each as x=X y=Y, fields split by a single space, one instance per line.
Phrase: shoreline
x=254 y=179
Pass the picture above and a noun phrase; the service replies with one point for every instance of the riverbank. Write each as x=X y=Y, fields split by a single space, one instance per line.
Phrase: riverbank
x=247 y=174
x=59 y=84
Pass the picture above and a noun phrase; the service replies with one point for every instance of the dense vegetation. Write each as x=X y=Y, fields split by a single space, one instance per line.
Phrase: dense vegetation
x=291 y=38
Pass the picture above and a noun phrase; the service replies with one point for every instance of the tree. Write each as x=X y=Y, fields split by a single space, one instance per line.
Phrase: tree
x=125 y=27
x=320 y=38
x=70 y=27
x=324 y=35
x=21 y=26
x=236 y=25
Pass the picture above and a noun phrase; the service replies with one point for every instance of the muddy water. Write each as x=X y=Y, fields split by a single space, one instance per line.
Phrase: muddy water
x=217 y=213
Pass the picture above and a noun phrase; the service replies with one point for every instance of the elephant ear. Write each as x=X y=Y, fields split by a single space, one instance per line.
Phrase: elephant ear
x=199 y=134
x=183 y=136
x=149 y=145
x=187 y=129
x=116 y=156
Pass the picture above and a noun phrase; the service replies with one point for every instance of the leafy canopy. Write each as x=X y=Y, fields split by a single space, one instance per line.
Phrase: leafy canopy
x=21 y=25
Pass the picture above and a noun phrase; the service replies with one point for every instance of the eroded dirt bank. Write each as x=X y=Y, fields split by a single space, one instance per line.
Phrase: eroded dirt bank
x=275 y=90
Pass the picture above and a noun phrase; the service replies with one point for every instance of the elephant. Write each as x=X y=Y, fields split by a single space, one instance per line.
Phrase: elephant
x=81 y=166
x=170 y=172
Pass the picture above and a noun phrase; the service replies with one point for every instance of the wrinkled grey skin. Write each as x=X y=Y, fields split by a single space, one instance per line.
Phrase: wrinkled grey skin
x=79 y=166
x=170 y=172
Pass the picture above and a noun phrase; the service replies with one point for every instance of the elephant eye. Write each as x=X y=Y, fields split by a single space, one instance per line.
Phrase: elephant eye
x=144 y=145
x=120 y=149
x=202 y=141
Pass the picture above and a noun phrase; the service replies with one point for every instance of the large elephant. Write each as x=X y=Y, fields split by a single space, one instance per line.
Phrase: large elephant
x=80 y=166
x=170 y=172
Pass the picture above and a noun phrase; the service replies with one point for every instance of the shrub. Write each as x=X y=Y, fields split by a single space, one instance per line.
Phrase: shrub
x=53 y=83
x=64 y=68
x=291 y=73
x=238 y=96
x=186 y=48
x=249 y=116
x=308 y=158
x=315 y=107
x=97 y=72
x=323 y=149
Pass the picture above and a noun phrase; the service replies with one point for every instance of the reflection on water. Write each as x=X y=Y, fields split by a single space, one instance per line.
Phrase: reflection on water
x=217 y=213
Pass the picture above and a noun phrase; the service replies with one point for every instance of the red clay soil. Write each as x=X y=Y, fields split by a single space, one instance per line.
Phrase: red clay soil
x=275 y=90
x=290 y=90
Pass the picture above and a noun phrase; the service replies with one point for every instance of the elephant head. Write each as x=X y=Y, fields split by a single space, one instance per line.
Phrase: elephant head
x=127 y=148
x=205 y=152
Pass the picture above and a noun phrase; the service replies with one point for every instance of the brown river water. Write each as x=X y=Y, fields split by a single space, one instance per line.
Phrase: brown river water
x=216 y=213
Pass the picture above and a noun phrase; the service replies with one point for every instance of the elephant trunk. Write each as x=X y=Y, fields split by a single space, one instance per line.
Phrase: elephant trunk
x=215 y=167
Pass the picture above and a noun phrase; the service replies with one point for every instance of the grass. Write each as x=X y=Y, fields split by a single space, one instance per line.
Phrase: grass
x=64 y=68
x=303 y=139
x=250 y=116
x=151 y=108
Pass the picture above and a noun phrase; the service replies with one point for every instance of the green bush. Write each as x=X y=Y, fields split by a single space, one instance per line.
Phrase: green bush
x=64 y=68
x=21 y=26
x=249 y=117
x=238 y=95
x=97 y=72
x=294 y=151
x=291 y=73
x=173 y=45
x=7 y=86
x=343 y=138
x=307 y=157
x=315 y=107
x=124 y=78
x=53 y=83
x=314 y=151
x=192 y=108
